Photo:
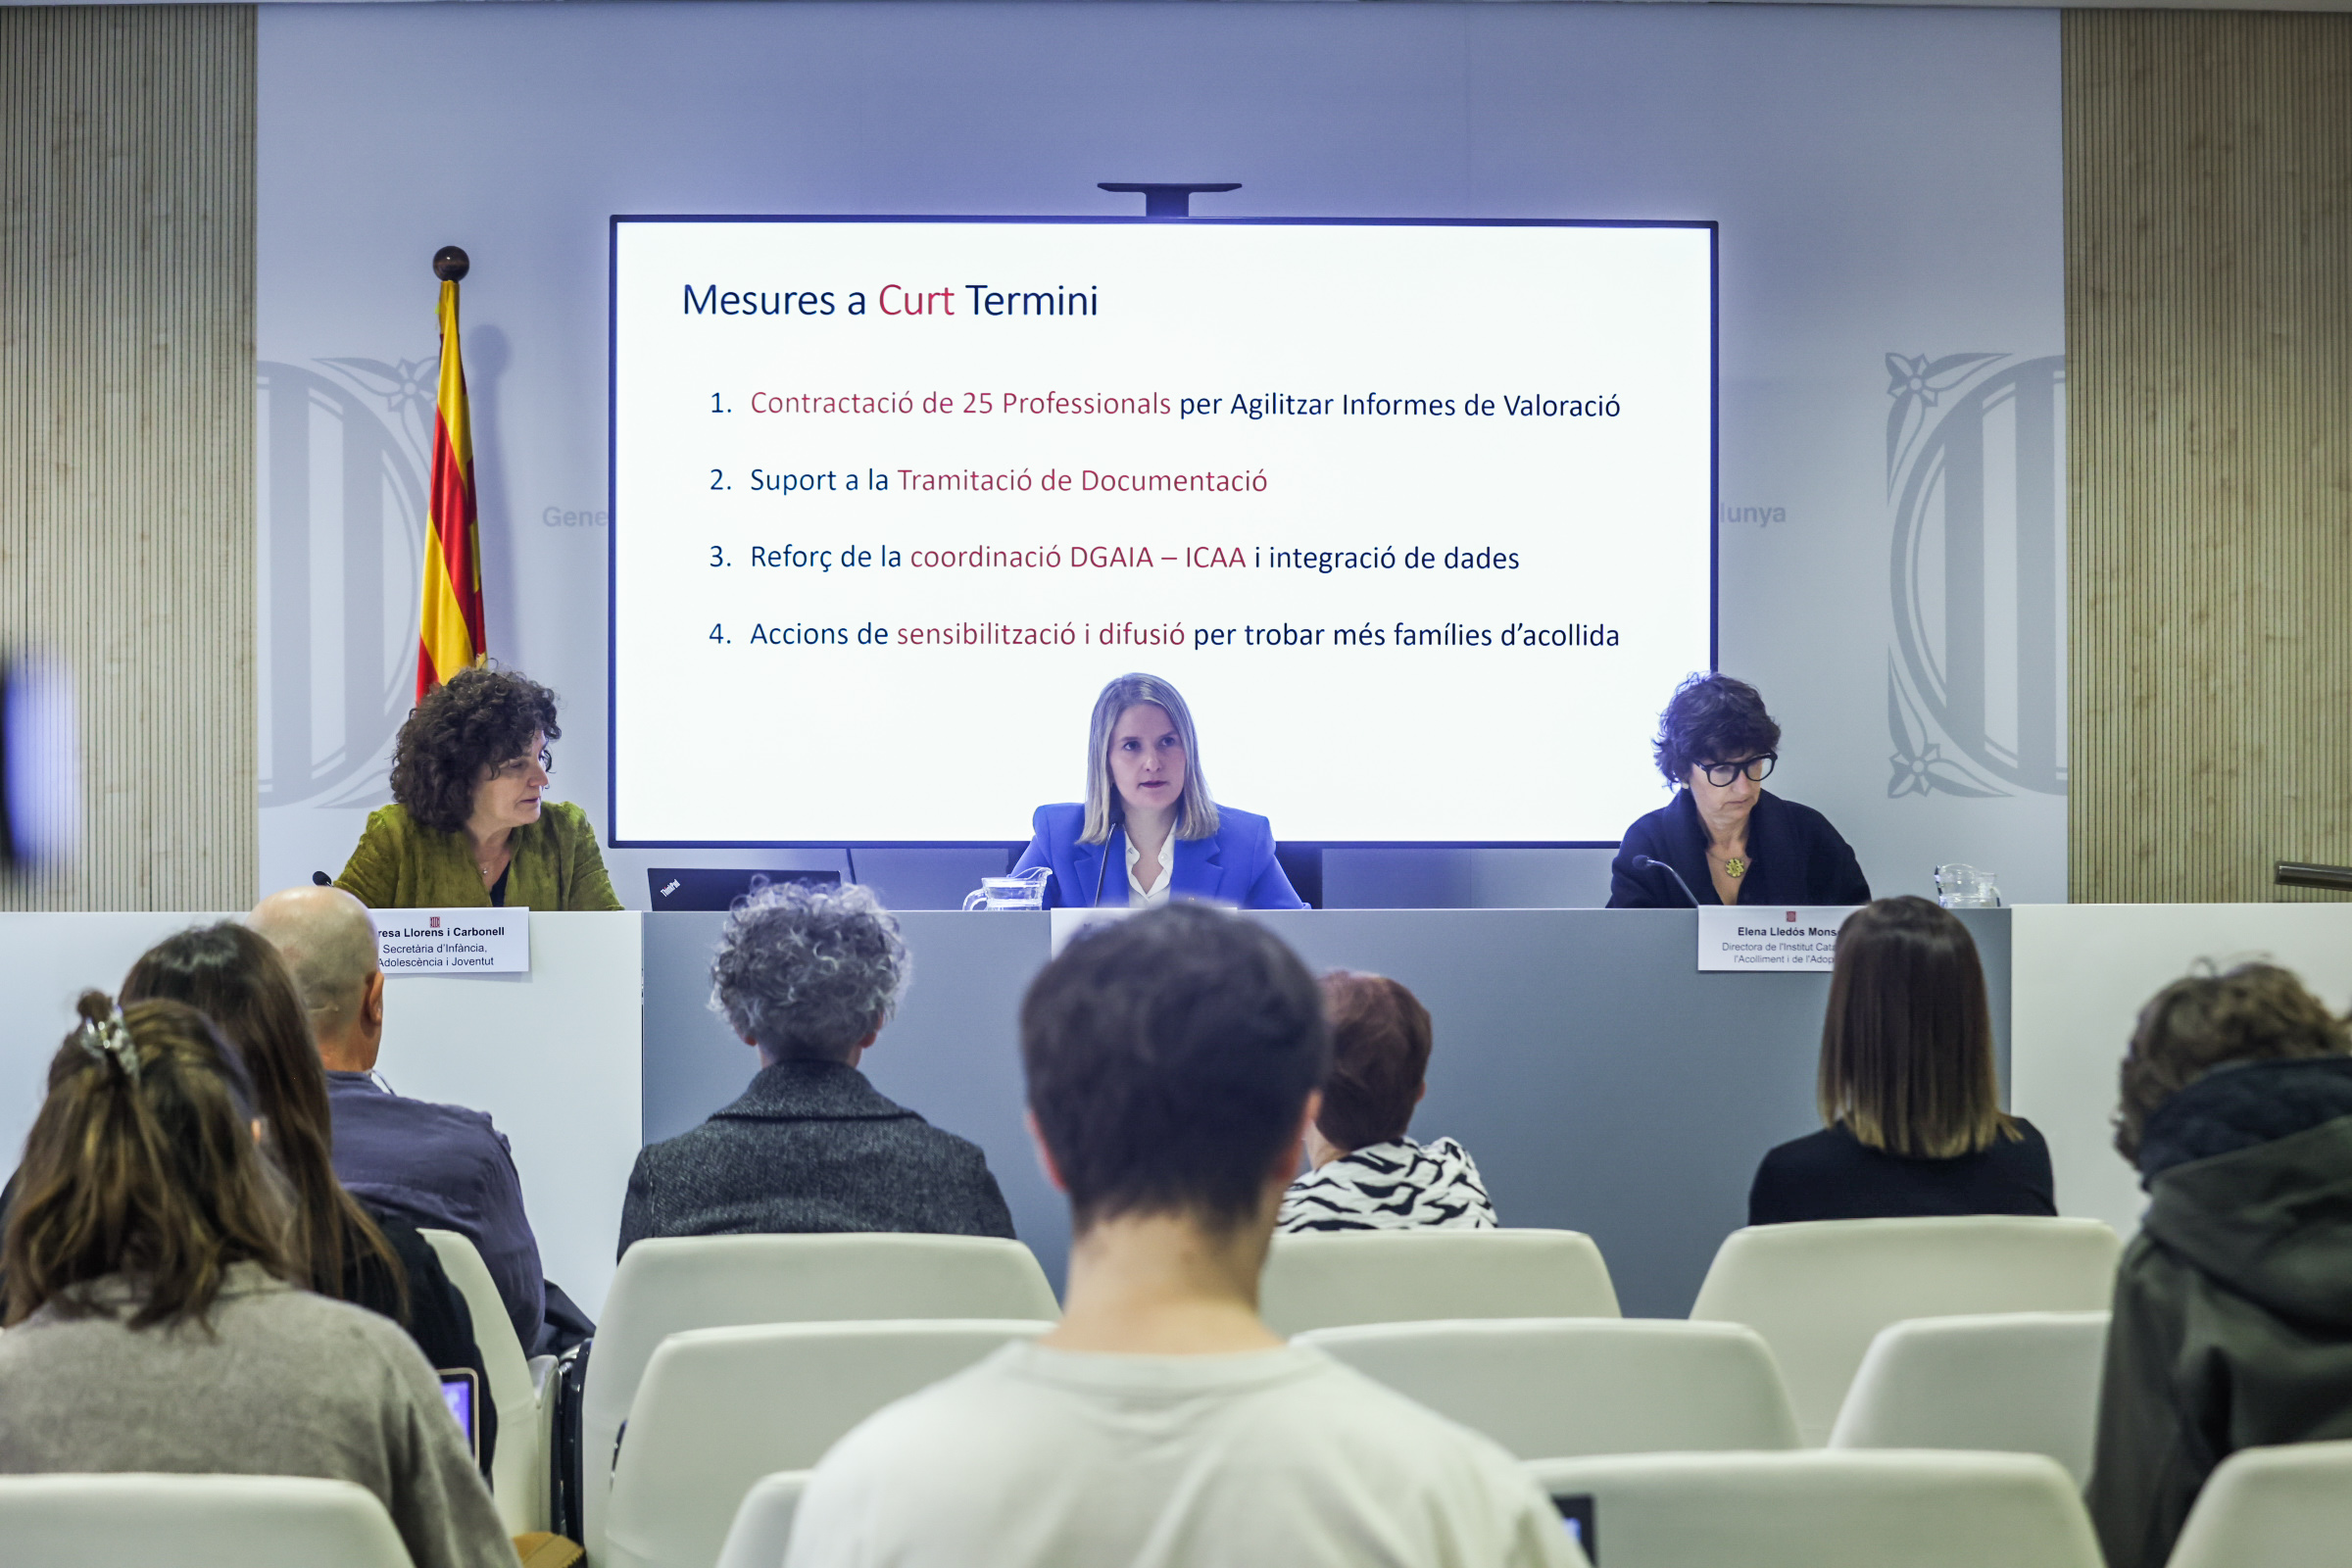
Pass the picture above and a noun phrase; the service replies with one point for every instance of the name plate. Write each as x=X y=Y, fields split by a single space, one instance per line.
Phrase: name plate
x=454 y=940
x=1761 y=937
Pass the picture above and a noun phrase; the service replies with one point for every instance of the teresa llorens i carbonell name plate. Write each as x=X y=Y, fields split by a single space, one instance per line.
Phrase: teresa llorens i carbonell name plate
x=454 y=940
x=1751 y=937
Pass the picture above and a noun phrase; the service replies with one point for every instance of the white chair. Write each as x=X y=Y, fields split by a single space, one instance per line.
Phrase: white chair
x=1816 y=1510
x=1323 y=1280
x=2011 y=1382
x=87 y=1521
x=2284 y=1508
x=1548 y=1388
x=703 y=1282
x=763 y=1526
x=518 y=1469
x=1819 y=1292
x=719 y=1409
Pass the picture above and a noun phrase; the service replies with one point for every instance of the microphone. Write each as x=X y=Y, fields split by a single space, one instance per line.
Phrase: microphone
x=1118 y=821
x=1643 y=862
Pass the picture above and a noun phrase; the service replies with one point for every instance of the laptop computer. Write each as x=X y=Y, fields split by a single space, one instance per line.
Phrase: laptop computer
x=698 y=887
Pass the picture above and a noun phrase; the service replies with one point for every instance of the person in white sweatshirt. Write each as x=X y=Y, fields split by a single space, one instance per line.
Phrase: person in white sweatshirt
x=1172 y=1060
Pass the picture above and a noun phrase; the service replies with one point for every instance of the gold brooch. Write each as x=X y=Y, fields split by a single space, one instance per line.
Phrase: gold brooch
x=1735 y=868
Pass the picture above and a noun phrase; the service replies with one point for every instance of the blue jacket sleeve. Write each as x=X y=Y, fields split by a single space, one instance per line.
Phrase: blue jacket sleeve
x=1272 y=890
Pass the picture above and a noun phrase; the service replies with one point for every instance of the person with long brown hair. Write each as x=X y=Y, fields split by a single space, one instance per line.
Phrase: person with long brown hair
x=373 y=1260
x=1909 y=1096
x=155 y=1317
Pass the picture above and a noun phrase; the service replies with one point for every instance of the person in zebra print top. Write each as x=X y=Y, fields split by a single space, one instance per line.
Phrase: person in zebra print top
x=1366 y=1174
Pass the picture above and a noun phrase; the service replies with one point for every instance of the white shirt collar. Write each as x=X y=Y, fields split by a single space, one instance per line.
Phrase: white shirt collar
x=1158 y=892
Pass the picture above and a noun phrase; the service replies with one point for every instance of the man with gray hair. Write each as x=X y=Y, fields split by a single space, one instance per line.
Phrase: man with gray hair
x=808 y=977
x=440 y=1166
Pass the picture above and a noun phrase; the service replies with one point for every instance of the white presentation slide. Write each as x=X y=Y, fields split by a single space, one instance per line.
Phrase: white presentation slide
x=1418 y=516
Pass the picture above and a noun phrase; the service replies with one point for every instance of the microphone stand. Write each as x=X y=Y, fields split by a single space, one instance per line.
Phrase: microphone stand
x=1643 y=862
x=1118 y=825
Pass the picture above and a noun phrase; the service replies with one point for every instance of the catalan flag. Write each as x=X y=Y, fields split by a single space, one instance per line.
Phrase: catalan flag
x=449 y=630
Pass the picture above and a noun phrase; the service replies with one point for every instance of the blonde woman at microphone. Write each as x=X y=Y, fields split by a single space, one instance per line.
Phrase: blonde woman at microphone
x=1149 y=830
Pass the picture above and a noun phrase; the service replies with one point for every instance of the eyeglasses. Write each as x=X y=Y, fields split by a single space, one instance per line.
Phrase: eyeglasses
x=1721 y=774
x=519 y=767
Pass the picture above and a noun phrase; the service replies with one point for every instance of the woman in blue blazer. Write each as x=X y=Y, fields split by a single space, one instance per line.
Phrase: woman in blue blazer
x=1149 y=830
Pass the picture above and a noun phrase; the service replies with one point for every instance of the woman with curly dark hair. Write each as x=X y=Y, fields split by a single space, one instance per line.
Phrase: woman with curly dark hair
x=468 y=824
x=1724 y=839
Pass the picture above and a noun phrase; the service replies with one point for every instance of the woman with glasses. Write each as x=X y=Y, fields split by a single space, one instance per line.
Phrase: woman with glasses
x=468 y=824
x=1723 y=838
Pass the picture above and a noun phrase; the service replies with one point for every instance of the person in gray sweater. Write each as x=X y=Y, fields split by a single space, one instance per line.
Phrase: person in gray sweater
x=808 y=977
x=153 y=1322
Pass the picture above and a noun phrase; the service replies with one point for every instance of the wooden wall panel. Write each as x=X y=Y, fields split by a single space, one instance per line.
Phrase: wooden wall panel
x=126 y=496
x=2209 y=423
x=2209 y=346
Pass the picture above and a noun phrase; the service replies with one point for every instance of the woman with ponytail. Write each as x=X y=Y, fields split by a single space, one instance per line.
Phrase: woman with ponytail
x=235 y=977
x=155 y=1315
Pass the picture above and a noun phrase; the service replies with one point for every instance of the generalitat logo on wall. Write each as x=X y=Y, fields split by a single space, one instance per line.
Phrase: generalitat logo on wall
x=1976 y=678
x=341 y=475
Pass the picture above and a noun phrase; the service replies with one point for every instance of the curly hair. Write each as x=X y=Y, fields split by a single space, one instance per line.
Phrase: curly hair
x=2253 y=1013
x=1712 y=718
x=480 y=718
x=809 y=972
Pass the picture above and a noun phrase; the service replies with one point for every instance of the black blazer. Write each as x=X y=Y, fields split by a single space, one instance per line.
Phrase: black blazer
x=1794 y=856
x=1834 y=1175
x=812 y=1145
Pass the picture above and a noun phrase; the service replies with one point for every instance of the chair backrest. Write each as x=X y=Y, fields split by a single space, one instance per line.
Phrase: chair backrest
x=718 y=1409
x=1816 y=1510
x=2013 y=1382
x=91 y=1521
x=704 y=1282
x=2286 y=1507
x=1547 y=1388
x=1819 y=1292
x=518 y=1469
x=763 y=1526
x=1323 y=1280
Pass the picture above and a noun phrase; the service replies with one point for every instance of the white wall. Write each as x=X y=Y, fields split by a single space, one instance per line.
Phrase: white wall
x=1888 y=183
x=2079 y=975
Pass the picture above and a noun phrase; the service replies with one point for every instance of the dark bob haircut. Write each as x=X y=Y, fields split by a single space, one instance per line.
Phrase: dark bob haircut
x=459 y=734
x=1712 y=718
x=2254 y=1012
x=1169 y=1058
x=1379 y=1039
x=1907 y=1046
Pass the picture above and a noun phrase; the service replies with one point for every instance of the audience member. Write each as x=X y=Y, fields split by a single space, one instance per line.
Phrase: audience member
x=1172 y=1066
x=373 y=1260
x=2233 y=1305
x=154 y=1319
x=439 y=1168
x=1910 y=1100
x=1367 y=1175
x=808 y=977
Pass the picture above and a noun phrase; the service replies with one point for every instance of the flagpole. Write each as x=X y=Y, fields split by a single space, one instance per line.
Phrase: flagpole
x=450 y=632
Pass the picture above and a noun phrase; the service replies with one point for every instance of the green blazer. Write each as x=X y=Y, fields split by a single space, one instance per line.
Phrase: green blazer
x=402 y=866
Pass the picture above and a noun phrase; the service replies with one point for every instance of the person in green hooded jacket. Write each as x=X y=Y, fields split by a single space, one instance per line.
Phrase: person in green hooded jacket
x=470 y=823
x=2233 y=1320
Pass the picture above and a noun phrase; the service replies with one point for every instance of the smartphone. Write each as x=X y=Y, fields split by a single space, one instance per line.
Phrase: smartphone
x=461 y=1395
x=1576 y=1517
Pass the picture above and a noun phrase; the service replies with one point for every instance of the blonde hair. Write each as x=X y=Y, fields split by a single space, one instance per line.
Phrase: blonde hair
x=1197 y=809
